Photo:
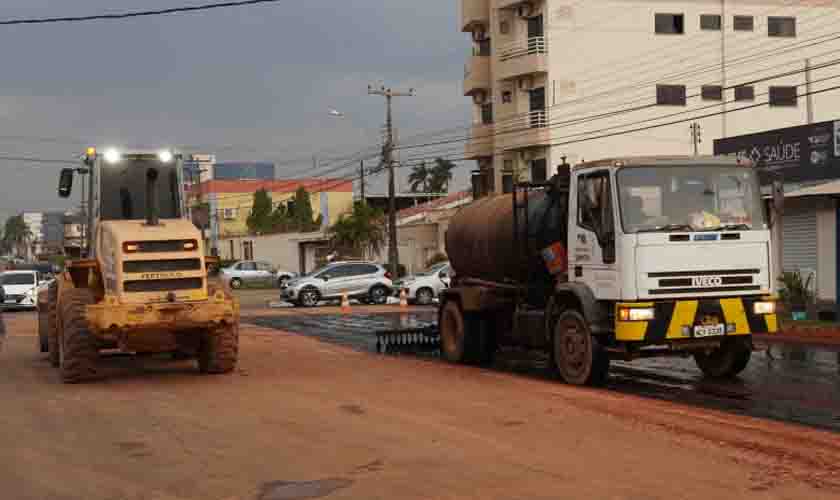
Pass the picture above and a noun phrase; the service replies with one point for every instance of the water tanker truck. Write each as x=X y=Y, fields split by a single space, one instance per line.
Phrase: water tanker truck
x=615 y=259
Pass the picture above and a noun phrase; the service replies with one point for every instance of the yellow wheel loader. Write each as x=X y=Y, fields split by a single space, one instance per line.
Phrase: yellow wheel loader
x=143 y=285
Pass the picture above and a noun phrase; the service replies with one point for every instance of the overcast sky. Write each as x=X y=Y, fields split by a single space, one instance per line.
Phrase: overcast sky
x=252 y=83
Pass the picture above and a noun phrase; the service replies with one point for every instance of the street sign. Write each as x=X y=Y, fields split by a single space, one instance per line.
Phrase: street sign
x=794 y=154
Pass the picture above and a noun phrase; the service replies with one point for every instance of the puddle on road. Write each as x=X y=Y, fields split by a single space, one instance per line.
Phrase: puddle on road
x=302 y=490
x=788 y=382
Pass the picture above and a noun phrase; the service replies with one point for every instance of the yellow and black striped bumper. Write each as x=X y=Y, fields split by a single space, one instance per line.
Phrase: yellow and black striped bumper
x=675 y=319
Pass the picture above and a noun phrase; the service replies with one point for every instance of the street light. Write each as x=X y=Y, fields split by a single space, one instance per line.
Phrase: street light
x=338 y=114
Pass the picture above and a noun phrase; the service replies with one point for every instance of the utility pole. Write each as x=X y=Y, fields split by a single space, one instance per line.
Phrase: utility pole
x=809 y=98
x=696 y=137
x=388 y=159
x=362 y=178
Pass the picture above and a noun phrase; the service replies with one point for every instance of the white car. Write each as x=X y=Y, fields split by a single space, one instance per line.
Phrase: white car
x=20 y=289
x=423 y=288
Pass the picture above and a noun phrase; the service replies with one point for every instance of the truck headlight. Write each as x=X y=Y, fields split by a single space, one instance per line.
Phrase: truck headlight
x=165 y=156
x=761 y=308
x=112 y=156
x=636 y=313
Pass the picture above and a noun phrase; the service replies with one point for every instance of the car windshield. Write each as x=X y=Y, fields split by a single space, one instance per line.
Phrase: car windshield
x=705 y=198
x=17 y=279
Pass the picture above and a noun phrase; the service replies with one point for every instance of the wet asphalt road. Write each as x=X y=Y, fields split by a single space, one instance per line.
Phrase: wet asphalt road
x=792 y=383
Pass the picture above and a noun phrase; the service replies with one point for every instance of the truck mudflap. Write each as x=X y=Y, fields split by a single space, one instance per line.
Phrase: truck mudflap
x=105 y=317
x=669 y=320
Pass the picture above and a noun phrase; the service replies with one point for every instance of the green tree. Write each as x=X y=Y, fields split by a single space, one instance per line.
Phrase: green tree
x=260 y=218
x=302 y=215
x=419 y=178
x=362 y=231
x=16 y=234
x=440 y=175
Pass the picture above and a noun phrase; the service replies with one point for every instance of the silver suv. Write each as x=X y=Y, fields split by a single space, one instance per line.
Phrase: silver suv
x=365 y=281
x=254 y=272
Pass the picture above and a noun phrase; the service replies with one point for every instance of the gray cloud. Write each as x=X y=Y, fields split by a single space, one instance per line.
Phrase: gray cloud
x=260 y=79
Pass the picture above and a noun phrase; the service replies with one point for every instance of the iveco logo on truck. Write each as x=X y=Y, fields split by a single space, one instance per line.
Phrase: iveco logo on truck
x=706 y=281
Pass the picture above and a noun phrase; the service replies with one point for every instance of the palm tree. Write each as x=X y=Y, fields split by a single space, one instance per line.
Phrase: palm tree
x=419 y=178
x=16 y=234
x=440 y=176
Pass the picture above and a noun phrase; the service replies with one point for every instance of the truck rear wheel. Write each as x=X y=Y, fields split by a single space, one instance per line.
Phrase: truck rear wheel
x=576 y=354
x=219 y=350
x=52 y=325
x=77 y=345
x=726 y=361
x=462 y=338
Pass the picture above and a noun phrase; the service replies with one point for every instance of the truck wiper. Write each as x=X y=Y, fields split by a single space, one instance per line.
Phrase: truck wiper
x=730 y=227
x=667 y=227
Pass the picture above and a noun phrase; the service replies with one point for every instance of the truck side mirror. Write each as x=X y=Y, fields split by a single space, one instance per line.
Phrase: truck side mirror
x=65 y=182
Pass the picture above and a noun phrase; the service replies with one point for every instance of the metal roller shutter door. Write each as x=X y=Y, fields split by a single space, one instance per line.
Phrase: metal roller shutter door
x=799 y=233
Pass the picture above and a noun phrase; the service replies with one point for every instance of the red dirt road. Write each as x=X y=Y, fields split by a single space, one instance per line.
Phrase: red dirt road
x=374 y=427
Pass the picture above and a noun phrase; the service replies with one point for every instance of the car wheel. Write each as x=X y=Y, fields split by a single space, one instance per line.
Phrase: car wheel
x=309 y=297
x=236 y=283
x=425 y=296
x=379 y=295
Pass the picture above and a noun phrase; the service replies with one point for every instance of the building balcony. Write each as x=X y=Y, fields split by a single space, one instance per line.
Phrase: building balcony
x=523 y=131
x=474 y=13
x=523 y=57
x=508 y=4
x=480 y=144
x=477 y=75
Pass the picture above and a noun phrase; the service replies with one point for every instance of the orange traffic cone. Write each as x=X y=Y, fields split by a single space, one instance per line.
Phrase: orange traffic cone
x=403 y=299
x=345 y=303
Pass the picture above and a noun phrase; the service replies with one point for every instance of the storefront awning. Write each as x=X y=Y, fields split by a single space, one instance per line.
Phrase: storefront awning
x=826 y=189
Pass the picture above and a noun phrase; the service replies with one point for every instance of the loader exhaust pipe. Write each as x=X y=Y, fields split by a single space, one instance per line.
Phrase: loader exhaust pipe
x=152 y=218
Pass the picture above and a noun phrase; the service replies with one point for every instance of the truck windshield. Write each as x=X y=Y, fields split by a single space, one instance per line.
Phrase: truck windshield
x=123 y=190
x=696 y=198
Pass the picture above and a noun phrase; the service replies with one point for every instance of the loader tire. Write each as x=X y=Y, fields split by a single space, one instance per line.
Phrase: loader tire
x=53 y=348
x=219 y=350
x=78 y=347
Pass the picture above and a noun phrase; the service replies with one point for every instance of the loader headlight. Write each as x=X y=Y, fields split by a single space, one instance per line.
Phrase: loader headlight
x=762 y=308
x=130 y=247
x=165 y=156
x=636 y=313
x=113 y=156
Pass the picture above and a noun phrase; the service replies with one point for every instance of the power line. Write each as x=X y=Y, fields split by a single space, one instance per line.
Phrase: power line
x=142 y=13
x=32 y=159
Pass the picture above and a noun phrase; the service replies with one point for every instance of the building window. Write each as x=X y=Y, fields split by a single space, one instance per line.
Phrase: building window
x=712 y=92
x=482 y=48
x=781 y=26
x=783 y=96
x=671 y=24
x=487 y=113
x=507 y=97
x=743 y=23
x=710 y=22
x=229 y=214
x=670 y=95
x=745 y=93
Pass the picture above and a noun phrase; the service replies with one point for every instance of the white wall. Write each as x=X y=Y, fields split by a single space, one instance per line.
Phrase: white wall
x=281 y=250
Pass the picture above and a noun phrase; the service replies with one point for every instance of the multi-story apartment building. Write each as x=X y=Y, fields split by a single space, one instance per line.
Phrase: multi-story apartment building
x=554 y=79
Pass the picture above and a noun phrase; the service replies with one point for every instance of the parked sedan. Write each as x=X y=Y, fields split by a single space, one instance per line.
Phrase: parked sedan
x=365 y=281
x=20 y=289
x=424 y=287
x=254 y=272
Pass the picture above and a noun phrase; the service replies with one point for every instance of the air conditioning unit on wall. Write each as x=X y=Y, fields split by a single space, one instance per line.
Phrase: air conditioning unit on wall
x=525 y=9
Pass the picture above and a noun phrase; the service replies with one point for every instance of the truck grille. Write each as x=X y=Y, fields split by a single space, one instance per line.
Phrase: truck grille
x=152 y=266
x=161 y=246
x=714 y=281
x=163 y=285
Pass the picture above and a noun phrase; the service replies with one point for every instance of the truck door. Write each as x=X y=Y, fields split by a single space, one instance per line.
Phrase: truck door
x=592 y=255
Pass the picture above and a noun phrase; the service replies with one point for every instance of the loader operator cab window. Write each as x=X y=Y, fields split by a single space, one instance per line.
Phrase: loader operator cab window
x=595 y=211
x=122 y=188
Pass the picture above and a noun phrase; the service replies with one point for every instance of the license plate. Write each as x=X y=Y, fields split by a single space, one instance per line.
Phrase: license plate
x=709 y=330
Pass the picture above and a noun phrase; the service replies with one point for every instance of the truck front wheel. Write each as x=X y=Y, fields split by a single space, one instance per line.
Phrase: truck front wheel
x=77 y=346
x=219 y=349
x=577 y=355
x=726 y=361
